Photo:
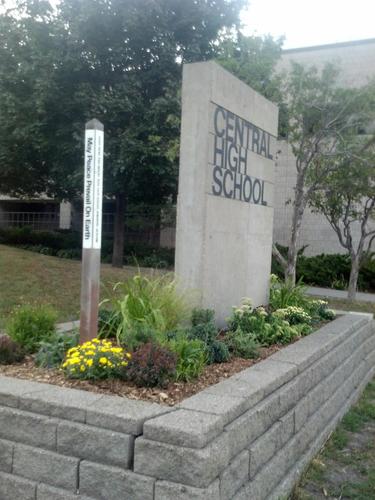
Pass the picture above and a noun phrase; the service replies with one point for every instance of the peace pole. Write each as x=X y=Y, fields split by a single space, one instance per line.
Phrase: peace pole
x=92 y=229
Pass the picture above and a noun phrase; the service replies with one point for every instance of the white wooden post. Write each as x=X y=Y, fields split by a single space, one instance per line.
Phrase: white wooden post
x=92 y=229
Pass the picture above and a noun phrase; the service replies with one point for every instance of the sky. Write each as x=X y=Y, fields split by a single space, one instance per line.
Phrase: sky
x=311 y=22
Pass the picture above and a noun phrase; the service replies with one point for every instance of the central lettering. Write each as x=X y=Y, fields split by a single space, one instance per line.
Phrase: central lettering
x=234 y=137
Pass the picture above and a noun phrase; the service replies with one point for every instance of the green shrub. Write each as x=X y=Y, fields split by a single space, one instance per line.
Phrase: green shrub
x=52 y=352
x=218 y=352
x=151 y=365
x=242 y=345
x=293 y=315
x=191 y=357
x=320 y=311
x=153 y=302
x=242 y=317
x=10 y=351
x=29 y=325
x=264 y=328
x=202 y=316
x=329 y=270
x=206 y=332
x=204 y=329
x=139 y=334
x=283 y=294
x=278 y=331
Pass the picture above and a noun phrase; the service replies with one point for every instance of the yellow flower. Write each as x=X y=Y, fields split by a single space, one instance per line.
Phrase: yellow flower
x=96 y=341
x=74 y=361
x=75 y=354
x=83 y=368
x=116 y=350
x=128 y=355
x=90 y=353
x=103 y=361
x=89 y=362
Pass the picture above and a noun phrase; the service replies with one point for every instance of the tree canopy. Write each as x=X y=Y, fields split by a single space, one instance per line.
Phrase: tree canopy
x=117 y=60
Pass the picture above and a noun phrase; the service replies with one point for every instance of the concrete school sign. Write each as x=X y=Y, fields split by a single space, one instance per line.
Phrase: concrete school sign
x=226 y=182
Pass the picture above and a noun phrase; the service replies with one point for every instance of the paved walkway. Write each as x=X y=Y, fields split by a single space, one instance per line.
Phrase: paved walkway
x=339 y=294
x=67 y=327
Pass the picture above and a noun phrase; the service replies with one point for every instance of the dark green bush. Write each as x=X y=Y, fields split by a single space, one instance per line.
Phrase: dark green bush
x=329 y=270
x=242 y=345
x=204 y=329
x=52 y=352
x=219 y=352
x=206 y=332
x=151 y=365
x=29 y=325
x=67 y=244
x=10 y=351
x=202 y=316
x=56 y=240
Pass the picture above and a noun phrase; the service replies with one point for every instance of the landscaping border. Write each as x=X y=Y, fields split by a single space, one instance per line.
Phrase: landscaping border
x=249 y=436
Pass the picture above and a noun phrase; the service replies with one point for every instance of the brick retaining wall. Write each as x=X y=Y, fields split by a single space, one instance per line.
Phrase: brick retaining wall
x=248 y=437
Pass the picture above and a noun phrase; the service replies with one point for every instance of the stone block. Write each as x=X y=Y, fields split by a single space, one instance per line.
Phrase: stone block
x=251 y=391
x=235 y=475
x=28 y=428
x=6 y=455
x=165 y=490
x=97 y=445
x=46 y=467
x=307 y=350
x=111 y=483
x=122 y=414
x=252 y=424
x=269 y=443
x=45 y=492
x=16 y=488
x=62 y=402
x=228 y=407
x=184 y=428
x=273 y=373
x=312 y=348
x=12 y=388
x=190 y=466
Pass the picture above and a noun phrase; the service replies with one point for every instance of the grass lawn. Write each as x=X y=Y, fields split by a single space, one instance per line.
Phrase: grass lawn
x=29 y=277
x=347 y=305
x=346 y=466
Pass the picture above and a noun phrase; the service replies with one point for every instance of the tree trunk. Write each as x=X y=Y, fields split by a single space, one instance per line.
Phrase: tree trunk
x=353 y=280
x=298 y=210
x=119 y=231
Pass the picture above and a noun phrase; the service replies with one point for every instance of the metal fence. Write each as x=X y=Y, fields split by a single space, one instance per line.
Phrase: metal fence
x=35 y=220
x=140 y=227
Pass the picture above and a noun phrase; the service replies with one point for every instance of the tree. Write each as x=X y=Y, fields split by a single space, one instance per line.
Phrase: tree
x=320 y=117
x=348 y=202
x=117 y=60
x=253 y=60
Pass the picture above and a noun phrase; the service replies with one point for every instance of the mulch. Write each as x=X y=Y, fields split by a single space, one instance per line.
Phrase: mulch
x=174 y=393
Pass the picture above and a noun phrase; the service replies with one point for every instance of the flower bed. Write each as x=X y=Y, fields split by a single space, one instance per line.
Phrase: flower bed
x=148 y=349
x=249 y=436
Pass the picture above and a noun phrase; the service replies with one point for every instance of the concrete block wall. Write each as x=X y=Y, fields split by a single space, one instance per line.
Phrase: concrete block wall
x=249 y=436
